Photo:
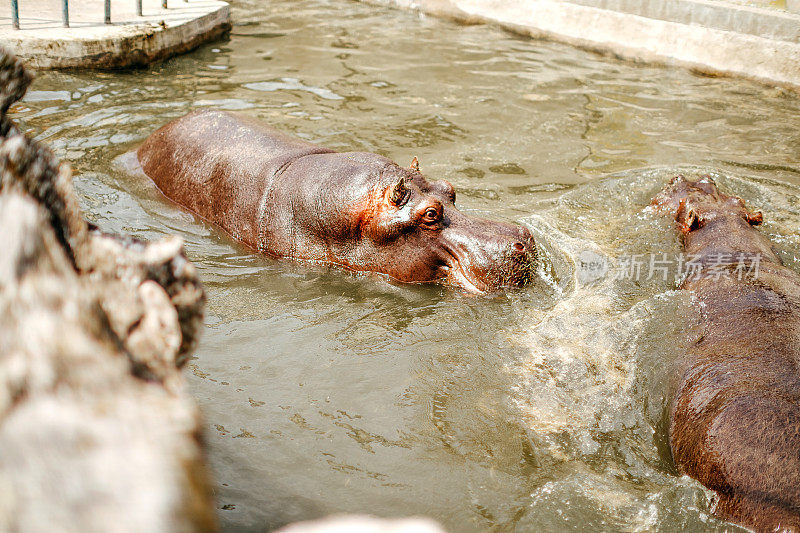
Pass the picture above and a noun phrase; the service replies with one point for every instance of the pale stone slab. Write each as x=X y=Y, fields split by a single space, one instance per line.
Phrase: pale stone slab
x=130 y=40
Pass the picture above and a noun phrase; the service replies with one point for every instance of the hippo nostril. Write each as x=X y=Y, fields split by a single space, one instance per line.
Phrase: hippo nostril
x=518 y=246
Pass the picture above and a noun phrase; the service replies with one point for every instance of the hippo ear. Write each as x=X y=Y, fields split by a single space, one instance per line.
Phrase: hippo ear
x=397 y=194
x=755 y=218
x=414 y=164
x=687 y=218
x=691 y=222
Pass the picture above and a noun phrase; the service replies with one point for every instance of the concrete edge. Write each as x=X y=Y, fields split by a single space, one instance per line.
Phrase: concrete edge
x=718 y=14
x=146 y=43
x=630 y=37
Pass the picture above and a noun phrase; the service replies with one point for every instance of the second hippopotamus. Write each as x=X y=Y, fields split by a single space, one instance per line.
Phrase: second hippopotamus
x=735 y=415
x=289 y=198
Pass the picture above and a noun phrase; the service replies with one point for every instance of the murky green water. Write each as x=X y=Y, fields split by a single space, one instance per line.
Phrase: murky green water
x=324 y=392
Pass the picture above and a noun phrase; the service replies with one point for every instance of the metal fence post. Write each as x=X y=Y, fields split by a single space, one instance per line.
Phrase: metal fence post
x=15 y=14
x=108 y=11
x=139 y=7
x=65 y=12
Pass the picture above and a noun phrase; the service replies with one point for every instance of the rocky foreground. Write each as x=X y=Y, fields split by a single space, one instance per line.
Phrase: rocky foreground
x=97 y=431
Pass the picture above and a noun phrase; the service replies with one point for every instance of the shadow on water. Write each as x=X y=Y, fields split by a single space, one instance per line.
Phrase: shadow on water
x=535 y=410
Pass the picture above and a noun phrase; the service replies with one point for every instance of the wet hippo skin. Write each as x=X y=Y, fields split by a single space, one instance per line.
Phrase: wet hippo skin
x=735 y=416
x=289 y=198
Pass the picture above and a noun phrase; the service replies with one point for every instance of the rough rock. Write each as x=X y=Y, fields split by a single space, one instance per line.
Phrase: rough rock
x=97 y=431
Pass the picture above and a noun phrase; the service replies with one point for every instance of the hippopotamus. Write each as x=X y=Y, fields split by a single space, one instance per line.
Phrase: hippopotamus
x=734 y=416
x=289 y=198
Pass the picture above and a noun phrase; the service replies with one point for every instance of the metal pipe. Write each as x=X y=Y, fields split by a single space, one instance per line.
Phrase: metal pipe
x=108 y=11
x=15 y=14
x=139 y=7
x=65 y=12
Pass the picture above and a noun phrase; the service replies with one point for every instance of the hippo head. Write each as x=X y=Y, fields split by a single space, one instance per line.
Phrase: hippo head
x=414 y=233
x=698 y=203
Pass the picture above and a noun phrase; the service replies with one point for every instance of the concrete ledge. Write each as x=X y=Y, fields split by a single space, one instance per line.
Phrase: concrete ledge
x=42 y=41
x=711 y=36
x=757 y=21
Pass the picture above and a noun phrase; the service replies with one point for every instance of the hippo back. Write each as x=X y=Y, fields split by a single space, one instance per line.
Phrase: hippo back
x=204 y=162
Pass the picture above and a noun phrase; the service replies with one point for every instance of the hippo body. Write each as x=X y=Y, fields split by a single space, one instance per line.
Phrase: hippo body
x=289 y=198
x=735 y=416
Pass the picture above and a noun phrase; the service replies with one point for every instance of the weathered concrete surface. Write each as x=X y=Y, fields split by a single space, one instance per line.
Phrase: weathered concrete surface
x=43 y=42
x=712 y=36
x=364 y=524
x=97 y=432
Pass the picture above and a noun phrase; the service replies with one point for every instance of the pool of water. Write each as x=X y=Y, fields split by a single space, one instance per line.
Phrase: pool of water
x=324 y=392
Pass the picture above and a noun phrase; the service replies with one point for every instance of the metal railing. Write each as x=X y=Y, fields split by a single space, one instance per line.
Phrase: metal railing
x=65 y=11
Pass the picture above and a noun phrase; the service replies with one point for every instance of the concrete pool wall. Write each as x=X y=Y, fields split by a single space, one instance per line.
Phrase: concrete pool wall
x=754 y=40
x=126 y=40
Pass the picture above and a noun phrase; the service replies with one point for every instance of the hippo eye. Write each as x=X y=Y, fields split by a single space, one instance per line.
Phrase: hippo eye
x=431 y=215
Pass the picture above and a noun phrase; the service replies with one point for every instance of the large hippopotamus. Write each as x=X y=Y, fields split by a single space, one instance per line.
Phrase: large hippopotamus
x=735 y=415
x=289 y=198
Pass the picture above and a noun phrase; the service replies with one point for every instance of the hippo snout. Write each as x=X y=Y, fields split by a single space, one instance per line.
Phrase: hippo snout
x=511 y=259
x=514 y=246
x=496 y=256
